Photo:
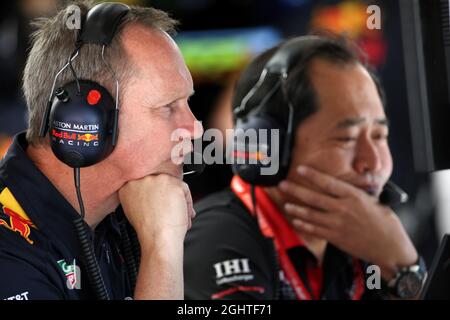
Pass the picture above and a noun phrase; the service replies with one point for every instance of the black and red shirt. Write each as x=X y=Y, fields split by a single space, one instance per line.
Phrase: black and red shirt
x=236 y=251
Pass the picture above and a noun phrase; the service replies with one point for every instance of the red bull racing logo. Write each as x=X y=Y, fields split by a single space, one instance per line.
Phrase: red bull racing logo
x=75 y=139
x=17 y=224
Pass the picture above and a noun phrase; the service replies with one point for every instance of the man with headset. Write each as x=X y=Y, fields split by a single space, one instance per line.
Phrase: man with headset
x=118 y=88
x=319 y=227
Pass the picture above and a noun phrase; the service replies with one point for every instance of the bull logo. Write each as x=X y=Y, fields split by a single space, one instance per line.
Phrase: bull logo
x=17 y=224
x=88 y=137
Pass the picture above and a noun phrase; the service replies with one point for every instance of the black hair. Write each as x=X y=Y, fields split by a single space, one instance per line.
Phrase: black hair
x=299 y=88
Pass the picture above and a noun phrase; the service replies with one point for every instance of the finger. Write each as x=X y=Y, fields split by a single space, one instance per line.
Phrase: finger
x=189 y=205
x=189 y=202
x=327 y=183
x=311 y=216
x=311 y=229
x=309 y=197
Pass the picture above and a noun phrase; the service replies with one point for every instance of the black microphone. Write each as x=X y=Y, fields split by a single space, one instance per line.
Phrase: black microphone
x=193 y=164
x=392 y=195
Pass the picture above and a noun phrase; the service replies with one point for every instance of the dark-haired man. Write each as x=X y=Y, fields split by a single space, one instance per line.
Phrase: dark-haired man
x=313 y=235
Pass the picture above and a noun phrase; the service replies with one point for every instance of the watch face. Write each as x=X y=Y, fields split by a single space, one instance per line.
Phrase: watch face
x=409 y=285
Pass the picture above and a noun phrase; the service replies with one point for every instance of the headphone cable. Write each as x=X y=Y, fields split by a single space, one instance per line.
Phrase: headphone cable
x=93 y=269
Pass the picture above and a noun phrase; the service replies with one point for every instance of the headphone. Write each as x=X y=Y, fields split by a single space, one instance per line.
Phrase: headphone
x=272 y=78
x=81 y=116
x=249 y=158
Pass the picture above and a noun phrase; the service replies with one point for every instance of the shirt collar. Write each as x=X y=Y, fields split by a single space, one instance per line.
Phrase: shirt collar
x=272 y=221
x=46 y=207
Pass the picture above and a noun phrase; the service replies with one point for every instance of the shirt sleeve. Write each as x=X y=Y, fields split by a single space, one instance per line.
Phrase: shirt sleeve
x=20 y=280
x=226 y=257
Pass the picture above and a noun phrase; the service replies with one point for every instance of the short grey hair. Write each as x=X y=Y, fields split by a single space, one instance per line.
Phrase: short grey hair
x=52 y=44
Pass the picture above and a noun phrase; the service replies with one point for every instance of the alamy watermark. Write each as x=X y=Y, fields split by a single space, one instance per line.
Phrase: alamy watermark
x=374 y=20
x=373 y=281
x=252 y=147
x=73 y=17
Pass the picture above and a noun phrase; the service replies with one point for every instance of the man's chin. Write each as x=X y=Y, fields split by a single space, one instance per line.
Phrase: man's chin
x=169 y=168
x=176 y=173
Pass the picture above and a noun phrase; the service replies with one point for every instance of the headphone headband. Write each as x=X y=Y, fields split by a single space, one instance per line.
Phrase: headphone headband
x=288 y=54
x=277 y=69
x=101 y=23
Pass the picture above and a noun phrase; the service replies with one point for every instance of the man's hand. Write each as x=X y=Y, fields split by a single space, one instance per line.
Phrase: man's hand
x=350 y=219
x=157 y=204
x=160 y=209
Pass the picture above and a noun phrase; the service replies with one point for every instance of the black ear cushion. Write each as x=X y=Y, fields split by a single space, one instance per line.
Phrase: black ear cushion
x=262 y=158
x=80 y=123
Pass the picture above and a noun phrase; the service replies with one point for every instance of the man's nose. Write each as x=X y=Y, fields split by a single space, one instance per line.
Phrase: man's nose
x=367 y=157
x=190 y=123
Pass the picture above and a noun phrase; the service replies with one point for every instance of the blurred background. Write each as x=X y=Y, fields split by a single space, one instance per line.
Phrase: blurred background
x=217 y=39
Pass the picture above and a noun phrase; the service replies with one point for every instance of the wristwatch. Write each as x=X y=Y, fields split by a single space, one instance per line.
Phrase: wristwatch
x=408 y=281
